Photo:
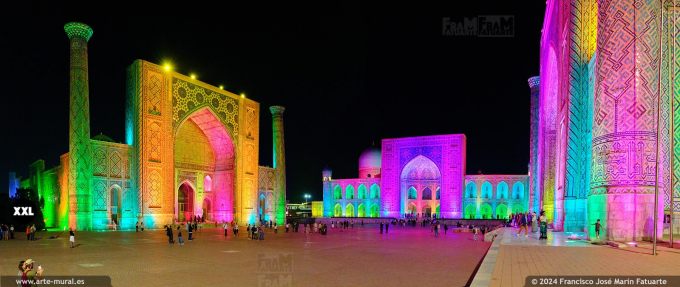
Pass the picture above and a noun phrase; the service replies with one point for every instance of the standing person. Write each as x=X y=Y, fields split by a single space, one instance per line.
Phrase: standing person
x=534 y=225
x=276 y=228
x=226 y=229
x=446 y=228
x=287 y=226
x=191 y=231
x=597 y=228
x=235 y=230
x=72 y=237
x=141 y=226
x=137 y=226
x=381 y=227
x=180 y=239
x=11 y=231
x=33 y=231
x=474 y=232
x=28 y=232
x=436 y=229
x=387 y=227
x=544 y=226
x=168 y=232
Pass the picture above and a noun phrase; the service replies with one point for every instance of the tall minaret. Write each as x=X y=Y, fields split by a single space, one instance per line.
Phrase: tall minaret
x=534 y=174
x=80 y=154
x=279 y=155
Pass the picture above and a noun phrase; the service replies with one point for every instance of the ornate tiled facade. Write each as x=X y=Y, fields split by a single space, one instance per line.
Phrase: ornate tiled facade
x=421 y=177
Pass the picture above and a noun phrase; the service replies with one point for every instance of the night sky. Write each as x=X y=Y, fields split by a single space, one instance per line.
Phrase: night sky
x=348 y=75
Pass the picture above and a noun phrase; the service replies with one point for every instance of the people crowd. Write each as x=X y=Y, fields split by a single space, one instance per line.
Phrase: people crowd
x=529 y=222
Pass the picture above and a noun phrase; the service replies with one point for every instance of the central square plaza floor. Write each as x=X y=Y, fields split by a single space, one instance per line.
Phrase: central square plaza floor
x=361 y=256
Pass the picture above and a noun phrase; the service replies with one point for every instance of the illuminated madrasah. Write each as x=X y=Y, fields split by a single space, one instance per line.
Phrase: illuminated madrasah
x=190 y=149
x=422 y=177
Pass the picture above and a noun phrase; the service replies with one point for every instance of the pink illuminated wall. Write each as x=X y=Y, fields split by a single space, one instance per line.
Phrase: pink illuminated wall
x=221 y=196
x=625 y=118
x=446 y=151
x=548 y=103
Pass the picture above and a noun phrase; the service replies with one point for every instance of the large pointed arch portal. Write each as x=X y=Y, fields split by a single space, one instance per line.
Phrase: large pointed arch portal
x=204 y=149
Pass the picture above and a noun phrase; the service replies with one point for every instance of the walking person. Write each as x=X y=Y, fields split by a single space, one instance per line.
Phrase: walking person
x=381 y=227
x=226 y=229
x=72 y=237
x=446 y=228
x=276 y=228
x=523 y=225
x=597 y=228
x=28 y=232
x=436 y=230
x=287 y=226
x=387 y=228
x=235 y=229
x=137 y=226
x=11 y=231
x=474 y=233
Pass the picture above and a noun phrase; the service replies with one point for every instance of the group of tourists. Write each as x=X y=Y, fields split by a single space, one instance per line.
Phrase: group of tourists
x=6 y=232
x=529 y=220
x=344 y=224
x=30 y=232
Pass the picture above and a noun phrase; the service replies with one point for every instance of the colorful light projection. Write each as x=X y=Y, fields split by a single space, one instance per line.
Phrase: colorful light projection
x=625 y=119
x=215 y=193
x=578 y=113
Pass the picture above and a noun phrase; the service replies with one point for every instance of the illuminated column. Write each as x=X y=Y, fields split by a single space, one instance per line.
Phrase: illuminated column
x=579 y=111
x=80 y=155
x=534 y=179
x=327 y=175
x=625 y=119
x=279 y=154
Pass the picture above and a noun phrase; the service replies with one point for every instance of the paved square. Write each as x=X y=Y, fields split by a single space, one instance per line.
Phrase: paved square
x=353 y=257
x=519 y=257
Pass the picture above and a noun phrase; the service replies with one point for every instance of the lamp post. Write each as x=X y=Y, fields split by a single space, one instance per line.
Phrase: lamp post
x=307 y=197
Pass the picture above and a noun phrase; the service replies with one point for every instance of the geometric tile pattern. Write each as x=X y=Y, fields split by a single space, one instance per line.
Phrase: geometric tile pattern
x=188 y=98
x=154 y=189
x=80 y=156
x=116 y=165
x=672 y=36
x=627 y=95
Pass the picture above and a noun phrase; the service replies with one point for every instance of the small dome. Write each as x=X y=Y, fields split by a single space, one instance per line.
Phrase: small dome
x=370 y=158
x=103 y=137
